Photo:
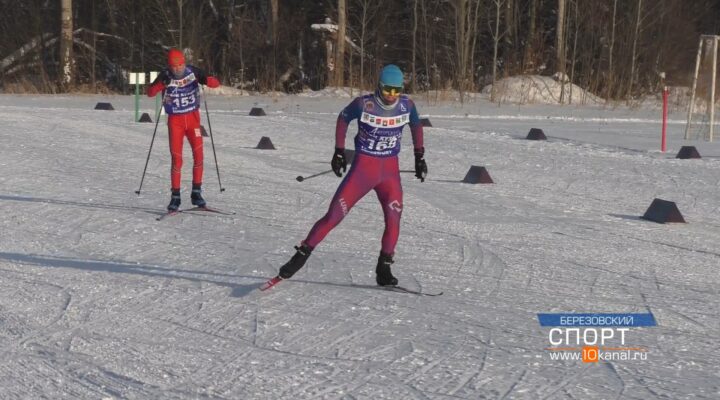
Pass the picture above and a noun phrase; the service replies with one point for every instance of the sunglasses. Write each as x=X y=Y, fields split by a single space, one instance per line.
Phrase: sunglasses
x=390 y=90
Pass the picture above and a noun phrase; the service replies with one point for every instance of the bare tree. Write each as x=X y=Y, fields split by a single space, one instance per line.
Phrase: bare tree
x=426 y=48
x=461 y=38
x=633 y=57
x=560 y=46
x=509 y=37
x=368 y=10
x=274 y=7
x=66 y=45
x=560 y=38
x=180 y=4
x=466 y=17
x=414 y=46
x=274 y=38
x=496 y=35
x=576 y=23
x=528 y=58
x=475 y=34
x=611 y=77
x=340 y=44
x=93 y=50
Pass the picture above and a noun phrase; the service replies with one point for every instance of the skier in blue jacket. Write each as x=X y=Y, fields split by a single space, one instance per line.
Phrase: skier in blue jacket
x=381 y=117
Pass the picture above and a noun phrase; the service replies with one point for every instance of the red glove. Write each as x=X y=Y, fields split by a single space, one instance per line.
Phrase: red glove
x=155 y=88
x=212 y=82
x=159 y=84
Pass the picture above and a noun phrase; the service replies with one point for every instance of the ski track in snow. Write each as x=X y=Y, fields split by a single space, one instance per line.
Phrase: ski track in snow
x=100 y=300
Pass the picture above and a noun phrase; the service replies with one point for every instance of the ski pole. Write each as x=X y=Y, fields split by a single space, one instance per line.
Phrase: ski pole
x=302 y=178
x=157 y=120
x=217 y=168
x=411 y=171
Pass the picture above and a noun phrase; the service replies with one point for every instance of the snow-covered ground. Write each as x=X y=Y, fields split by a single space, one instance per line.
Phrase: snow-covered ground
x=98 y=300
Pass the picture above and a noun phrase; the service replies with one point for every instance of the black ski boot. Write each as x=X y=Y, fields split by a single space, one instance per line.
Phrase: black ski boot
x=296 y=262
x=384 y=276
x=174 y=200
x=196 y=196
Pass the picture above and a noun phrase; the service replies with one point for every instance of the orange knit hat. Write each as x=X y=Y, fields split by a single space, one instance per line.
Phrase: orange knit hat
x=175 y=57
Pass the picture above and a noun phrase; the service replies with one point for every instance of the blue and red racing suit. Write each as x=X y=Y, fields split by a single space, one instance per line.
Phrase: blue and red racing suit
x=375 y=166
x=182 y=104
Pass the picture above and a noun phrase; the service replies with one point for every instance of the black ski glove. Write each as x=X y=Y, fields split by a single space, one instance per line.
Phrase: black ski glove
x=420 y=165
x=164 y=77
x=339 y=161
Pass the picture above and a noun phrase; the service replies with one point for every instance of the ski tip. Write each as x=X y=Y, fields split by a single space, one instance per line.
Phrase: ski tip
x=212 y=210
x=401 y=289
x=167 y=214
x=270 y=283
x=195 y=210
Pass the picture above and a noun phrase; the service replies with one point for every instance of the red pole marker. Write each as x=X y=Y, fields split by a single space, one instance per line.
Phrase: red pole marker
x=663 y=143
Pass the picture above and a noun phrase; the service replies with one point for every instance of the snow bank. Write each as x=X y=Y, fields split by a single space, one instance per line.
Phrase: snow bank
x=226 y=91
x=333 y=91
x=535 y=89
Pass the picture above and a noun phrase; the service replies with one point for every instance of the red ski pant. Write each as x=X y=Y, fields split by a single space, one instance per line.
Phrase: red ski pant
x=366 y=173
x=179 y=127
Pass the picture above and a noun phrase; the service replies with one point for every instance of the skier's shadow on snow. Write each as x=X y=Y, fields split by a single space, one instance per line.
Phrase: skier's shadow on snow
x=359 y=286
x=244 y=290
x=248 y=289
x=78 y=204
x=238 y=290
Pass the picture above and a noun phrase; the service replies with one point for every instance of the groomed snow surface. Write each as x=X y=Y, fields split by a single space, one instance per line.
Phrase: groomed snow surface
x=98 y=300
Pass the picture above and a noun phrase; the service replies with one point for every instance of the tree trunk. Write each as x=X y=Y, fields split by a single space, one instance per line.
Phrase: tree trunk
x=475 y=29
x=93 y=51
x=363 y=29
x=560 y=45
x=240 y=51
x=611 y=78
x=496 y=42
x=461 y=12
x=509 y=39
x=274 y=40
x=461 y=36
x=426 y=46
x=330 y=60
x=340 y=47
x=414 y=43
x=180 y=16
x=576 y=24
x=528 y=58
x=634 y=49
x=274 y=7
x=66 y=45
x=560 y=38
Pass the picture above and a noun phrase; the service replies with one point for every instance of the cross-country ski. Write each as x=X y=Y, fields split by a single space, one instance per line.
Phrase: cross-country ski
x=195 y=210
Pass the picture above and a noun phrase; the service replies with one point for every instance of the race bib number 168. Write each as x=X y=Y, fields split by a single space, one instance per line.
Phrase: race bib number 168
x=387 y=142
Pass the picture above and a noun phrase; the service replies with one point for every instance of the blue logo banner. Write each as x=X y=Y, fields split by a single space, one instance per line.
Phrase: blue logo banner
x=589 y=319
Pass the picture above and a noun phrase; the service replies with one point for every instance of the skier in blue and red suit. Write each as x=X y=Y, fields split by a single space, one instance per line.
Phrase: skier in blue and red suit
x=181 y=100
x=381 y=117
